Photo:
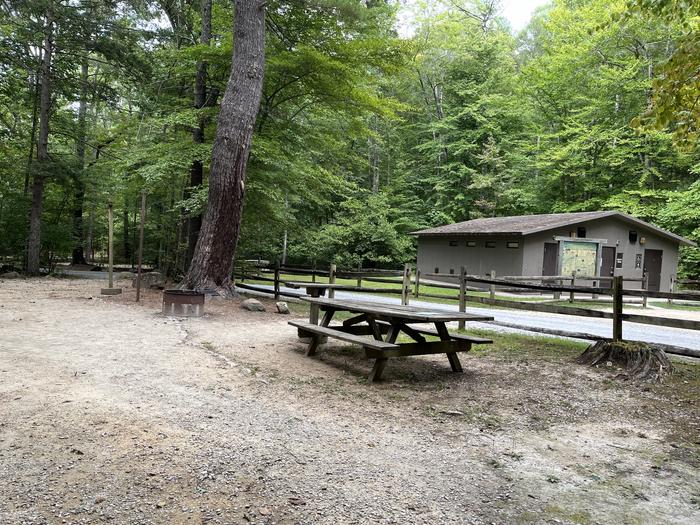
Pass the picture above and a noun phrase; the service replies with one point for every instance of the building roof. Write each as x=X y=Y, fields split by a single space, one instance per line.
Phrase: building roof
x=529 y=224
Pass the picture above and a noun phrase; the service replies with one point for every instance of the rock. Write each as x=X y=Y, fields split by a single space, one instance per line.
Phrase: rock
x=150 y=280
x=253 y=305
x=127 y=275
x=10 y=275
x=282 y=307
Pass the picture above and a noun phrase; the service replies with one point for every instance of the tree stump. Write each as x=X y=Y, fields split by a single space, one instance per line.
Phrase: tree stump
x=640 y=361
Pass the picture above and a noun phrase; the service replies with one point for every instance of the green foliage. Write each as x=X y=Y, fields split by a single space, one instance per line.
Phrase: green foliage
x=362 y=137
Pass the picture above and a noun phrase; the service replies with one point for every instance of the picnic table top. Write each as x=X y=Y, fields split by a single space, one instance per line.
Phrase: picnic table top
x=396 y=311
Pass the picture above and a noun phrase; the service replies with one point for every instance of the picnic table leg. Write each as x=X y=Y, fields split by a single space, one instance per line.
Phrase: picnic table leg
x=451 y=356
x=376 y=332
x=377 y=369
x=316 y=339
x=313 y=309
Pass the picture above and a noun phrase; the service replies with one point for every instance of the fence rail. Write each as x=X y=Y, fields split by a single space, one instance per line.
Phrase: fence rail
x=408 y=284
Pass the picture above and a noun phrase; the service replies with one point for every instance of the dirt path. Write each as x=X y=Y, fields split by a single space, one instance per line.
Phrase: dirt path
x=112 y=413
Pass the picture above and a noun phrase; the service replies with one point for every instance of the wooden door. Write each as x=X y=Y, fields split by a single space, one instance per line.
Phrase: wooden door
x=551 y=256
x=652 y=268
x=607 y=266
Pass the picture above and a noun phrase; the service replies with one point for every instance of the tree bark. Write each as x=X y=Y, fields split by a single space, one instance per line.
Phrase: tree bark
x=79 y=182
x=194 y=221
x=212 y=261
x=34 y=237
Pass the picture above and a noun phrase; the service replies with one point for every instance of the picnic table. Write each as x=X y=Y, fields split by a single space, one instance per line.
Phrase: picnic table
x=318 y=290
x=384 y=322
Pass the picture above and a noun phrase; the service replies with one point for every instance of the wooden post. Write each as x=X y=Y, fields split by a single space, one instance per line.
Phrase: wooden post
x=110 y=290
x=573 y=281
x=557 y=295
x=140 y=258
x=673 y=288
x=313 y=272
x=645 y=284
x=359 y=277
x=110 y=247
x=462 y=293
x=617 y=308
x=331 y=280
x=417 y=288
x=492 y=287
x=277 y=281
x=406 y=284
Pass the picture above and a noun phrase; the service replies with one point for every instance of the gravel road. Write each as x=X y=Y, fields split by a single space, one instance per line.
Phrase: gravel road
x=112 y=413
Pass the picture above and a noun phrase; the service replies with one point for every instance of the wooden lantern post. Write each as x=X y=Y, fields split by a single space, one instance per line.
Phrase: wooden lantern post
x=110 y=290
x=140 y=259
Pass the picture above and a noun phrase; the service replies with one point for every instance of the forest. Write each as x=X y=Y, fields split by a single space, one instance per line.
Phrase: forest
x=365 y=132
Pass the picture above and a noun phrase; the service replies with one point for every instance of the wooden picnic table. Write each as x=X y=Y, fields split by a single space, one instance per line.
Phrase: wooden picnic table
x=318 y=290
x=384 y=322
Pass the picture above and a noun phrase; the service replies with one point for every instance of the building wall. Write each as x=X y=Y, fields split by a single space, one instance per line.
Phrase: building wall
x=436 y=252
x=616 y=232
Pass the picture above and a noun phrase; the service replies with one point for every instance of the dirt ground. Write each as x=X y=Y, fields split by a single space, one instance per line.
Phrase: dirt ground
x=112 y=413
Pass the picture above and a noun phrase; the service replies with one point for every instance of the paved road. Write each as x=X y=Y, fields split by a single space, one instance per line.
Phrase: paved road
x=569 y=323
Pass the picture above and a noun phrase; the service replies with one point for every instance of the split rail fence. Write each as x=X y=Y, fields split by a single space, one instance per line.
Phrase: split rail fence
x=409 y=284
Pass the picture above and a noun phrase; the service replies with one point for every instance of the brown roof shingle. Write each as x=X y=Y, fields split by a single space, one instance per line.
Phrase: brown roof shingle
x=529 y=224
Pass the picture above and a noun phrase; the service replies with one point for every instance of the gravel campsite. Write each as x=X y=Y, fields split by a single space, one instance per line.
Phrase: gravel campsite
x=114 y=413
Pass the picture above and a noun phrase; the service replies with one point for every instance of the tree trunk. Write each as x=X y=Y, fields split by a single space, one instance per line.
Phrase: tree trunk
x=34 y=237
x=79 y=191
x=212 y=261
x=194 y=222
x=32 y=136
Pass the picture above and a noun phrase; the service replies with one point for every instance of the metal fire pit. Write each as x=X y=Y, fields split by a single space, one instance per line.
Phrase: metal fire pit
x=187 y=303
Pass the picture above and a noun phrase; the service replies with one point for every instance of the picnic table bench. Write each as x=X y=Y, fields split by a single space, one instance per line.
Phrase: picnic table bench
x=384 y=322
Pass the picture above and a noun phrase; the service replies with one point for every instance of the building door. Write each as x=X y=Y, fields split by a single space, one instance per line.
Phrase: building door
x=607 y=266
x=652 y=268
x=551 y=254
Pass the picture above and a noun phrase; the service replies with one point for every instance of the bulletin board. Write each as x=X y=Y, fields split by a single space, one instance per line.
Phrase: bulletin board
x=580 y=257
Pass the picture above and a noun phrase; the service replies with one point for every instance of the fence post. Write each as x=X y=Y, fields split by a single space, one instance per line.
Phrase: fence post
x=406 y=284
x=313 y=272
x=492 y=287
x=277 y=281
x=645 y=284
x=673 y=288
x=331 y=280
x=417 y=291
x=617 y=308
x=359 y=275
x=462 y=293
x=573 y=283
x=557 y=295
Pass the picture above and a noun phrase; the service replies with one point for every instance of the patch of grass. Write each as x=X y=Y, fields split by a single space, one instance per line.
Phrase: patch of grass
x=525 y=345
x=591 y=305
x=581 y=517
x=676 y=306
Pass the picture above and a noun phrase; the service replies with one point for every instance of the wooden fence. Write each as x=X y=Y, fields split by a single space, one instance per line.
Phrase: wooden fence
x=408 y=284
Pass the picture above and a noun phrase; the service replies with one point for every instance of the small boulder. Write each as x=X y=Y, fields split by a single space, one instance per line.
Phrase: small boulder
x=10 y=275
x=282 y=307
x=127 y=275
x=253 y=305
x=150 y=280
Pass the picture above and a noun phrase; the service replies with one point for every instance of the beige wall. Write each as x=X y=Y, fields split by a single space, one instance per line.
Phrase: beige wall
x=616 y=232
x=436 y=252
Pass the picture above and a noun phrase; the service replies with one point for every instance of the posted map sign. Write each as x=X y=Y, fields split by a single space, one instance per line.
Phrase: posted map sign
x=579 y=257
